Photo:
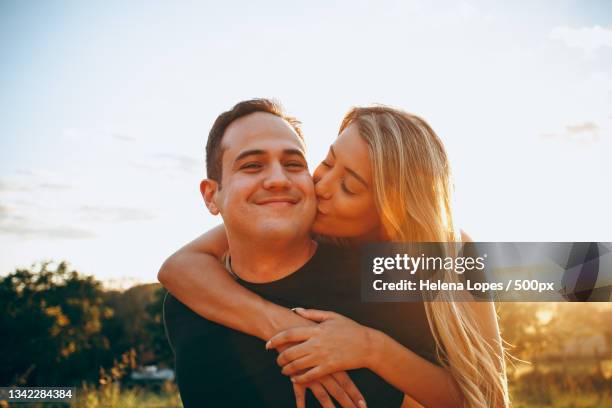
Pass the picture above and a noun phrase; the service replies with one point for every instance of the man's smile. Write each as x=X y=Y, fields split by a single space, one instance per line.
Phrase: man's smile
x=282 y=201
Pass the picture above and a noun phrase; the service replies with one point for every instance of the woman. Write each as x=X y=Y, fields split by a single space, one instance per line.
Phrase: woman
x=386 y=178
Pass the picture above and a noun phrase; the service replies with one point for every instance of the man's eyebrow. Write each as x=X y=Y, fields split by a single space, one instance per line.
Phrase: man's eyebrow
x=351 y=171
x=294 y=152
x=246 y=153
x=259 y=152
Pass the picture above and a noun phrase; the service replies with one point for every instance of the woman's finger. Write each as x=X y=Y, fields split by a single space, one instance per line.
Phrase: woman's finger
x=334 y=389
x=298 y=365
x=311 y=375
x=321 y=395
x=300 y=395
x=294 y=335
x=314 y=314
x=345 y=382
x=293 y=353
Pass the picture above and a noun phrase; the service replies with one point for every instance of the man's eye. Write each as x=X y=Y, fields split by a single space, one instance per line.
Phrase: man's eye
x=250 y=166
x=295 y=164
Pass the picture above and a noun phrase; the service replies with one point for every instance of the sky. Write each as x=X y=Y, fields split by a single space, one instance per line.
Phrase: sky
x=105 y=108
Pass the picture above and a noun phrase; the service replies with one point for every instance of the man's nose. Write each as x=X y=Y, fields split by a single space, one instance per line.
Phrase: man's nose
x=276 y=178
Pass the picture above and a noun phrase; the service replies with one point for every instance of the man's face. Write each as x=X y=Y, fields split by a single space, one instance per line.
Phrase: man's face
x=266 y=189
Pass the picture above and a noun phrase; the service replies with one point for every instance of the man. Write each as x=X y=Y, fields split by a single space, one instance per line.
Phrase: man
x=259 y=182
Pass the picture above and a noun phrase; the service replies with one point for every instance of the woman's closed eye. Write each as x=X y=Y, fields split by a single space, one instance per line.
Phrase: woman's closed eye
x=328 y=161
x=345 y=188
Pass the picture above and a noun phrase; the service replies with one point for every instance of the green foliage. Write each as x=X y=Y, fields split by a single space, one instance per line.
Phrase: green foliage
x=50 y=318
x=137 y=323
x=58 y=327
x=157 y=340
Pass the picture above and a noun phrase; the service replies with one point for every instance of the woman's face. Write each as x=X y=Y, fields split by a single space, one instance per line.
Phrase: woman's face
x=343 y=185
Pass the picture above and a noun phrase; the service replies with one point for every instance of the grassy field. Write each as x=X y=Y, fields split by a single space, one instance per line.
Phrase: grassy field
x=579 y=384
x=520 y=399
x=562 y=400
x=572 y=386
x=115 y=397
x=545 y=399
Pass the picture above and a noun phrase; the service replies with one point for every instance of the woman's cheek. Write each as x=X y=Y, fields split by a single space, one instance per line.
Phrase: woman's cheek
x=365 y=215
x=351 y=210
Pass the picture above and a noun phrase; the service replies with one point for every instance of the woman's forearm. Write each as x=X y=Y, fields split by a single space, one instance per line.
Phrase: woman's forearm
x=201 y=283
x=425 y=382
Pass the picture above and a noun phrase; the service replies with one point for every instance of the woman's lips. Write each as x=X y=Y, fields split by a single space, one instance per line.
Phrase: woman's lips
x=320 y=211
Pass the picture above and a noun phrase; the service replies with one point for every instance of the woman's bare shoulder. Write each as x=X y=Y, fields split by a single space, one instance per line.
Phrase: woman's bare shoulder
x=465 y=237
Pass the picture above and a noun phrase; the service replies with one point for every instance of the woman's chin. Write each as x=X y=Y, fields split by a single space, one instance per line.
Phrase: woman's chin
x=318 y=229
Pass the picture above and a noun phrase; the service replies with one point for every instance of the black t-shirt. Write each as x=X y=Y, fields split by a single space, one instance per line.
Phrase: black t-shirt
x=218 y=366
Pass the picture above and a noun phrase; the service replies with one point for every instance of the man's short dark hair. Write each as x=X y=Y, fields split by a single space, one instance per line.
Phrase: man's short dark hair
x=214 y=150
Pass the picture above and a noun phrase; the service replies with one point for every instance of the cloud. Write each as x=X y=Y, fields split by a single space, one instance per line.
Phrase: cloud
x=98 y=135
x=581 y=128
x=12 y=223
x=33 y=180
x=63 y=232
x=55 y=186
x=584 y=132
x=114 y=214
x=26 y=172
x=6 y=187
x=12 y=187
x=181 y=162
x=122 y=137
x=4 y=211
x=587 y=38
x=170 y=165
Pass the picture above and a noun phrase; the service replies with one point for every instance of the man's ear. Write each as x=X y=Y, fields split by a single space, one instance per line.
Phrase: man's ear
x=208 y=189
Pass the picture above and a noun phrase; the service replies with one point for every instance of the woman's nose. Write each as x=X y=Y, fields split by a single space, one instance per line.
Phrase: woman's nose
x=322 y=189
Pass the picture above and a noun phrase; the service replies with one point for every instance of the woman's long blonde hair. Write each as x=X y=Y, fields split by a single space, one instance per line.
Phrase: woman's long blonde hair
x=412 y=190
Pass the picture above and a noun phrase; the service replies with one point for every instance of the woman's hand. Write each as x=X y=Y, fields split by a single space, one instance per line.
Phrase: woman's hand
x=336 y=344
x=338 y=385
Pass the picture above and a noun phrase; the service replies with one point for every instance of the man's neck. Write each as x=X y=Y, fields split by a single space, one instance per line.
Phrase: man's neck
x=269 y=261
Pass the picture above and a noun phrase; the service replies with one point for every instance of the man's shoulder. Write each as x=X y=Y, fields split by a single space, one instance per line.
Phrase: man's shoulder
x=328 y=252
x=194 y=338
x=173 y=307
x=335 y=260
x=180 y=321
x=329 y=262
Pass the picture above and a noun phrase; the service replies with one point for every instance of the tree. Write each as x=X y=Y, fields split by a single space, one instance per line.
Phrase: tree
x=51 y=320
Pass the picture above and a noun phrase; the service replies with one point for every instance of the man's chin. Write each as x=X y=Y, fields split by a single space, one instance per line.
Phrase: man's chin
x=277 y=229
